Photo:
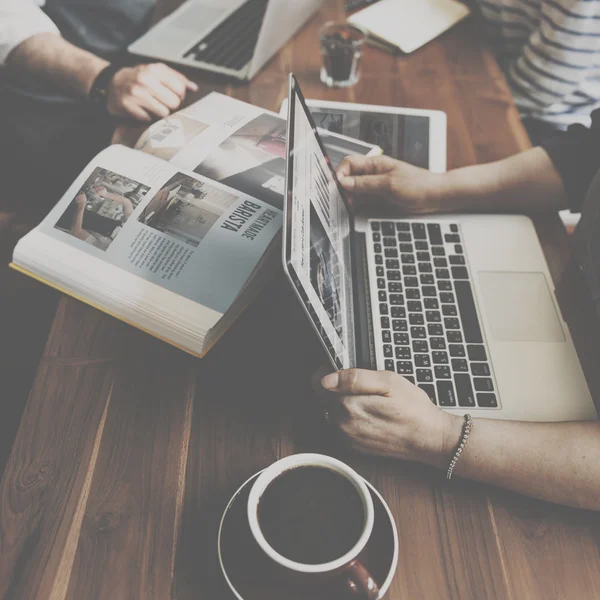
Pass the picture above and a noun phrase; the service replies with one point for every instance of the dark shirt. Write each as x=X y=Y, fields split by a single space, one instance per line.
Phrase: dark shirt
x=576 y=156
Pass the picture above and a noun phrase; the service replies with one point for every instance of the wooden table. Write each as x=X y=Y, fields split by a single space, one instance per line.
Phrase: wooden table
x=128 y=450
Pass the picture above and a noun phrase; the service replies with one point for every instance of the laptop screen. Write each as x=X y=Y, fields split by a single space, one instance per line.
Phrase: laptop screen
x=317 y=243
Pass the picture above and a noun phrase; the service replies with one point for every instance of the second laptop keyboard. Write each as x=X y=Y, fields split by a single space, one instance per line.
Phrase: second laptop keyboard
x=231 y=44
x=430 y=330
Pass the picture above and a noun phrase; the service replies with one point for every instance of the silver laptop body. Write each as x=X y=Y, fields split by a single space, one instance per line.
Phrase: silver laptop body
x=462 y=305
x=172 y=38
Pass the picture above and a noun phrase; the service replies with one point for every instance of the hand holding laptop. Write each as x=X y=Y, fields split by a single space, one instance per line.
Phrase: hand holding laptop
x=402 y=184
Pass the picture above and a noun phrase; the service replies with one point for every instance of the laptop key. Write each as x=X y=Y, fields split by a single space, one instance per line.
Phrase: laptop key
x=394 y=286
x=433 y=316
x=383 y=309
x=416 y=319
x=437 y=343
x=381 y=283
x=440 y=262
x=409 y=270
x=386 y=336
x=406 y=248
x=394 y=275
x=456 y=350
x=427 y=279
x=459 y=365
x=435 y=329
x=442 y=372
x=457 y=259
x=458 y=249
x=418 y=230
x=377 y=248
x=409 y=378
x=431 y=303
x=445 y=393
x=452 y=238
x=476 y=352
x=460 y=272
x=399 y=325
x=411 y=282
x=424 y=375
x=439 y=357
x=442 y=273
x=392 y=263
x=425 y=268
x=396 y=299
x=454 y=228
x=413 y=294
x=449 y=310
x=388 y=228
x=487 y=400
x=414 y=306
x=403 y=352
x=420 y=346
x=468 y=313
x=483 y=384
x=422 y=360
x=421 y=245
x=404 y=367
x=379 y=271
x=447 y=297
x=382 y=296
x=429 y=291
x=429 y=389
x=454 y=337
x=464 y=390
x=378 y=259
x=375 y=226
x=423 y=257
x=438 y=251
x=451 y=323
x=398 y=312
x=388 y=351
x=418 y=333
x=390 y=252
x=480 y=369
x=435 y=233
x=376 y=237
x=403 y=226
x=404 y=237
x=389 y=364
x=385 y=322
x=444 y=286
x=401 y=339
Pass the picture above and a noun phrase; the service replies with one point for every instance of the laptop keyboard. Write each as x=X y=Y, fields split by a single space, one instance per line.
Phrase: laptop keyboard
x=231 y=44
x=430 y=330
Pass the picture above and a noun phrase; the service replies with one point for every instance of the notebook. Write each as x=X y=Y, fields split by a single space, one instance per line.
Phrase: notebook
x=409 y=24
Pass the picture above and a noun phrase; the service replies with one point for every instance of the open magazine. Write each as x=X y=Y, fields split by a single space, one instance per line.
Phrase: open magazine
x=175 y=236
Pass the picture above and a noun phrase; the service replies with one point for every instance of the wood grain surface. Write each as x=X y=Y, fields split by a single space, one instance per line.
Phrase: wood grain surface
x=128 y=450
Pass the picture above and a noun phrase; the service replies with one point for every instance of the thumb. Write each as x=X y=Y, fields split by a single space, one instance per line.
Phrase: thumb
x=361 y=382
x=366 y=184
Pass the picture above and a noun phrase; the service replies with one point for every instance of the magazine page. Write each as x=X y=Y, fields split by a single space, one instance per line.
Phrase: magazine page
x=173 y=228
x=237 y=144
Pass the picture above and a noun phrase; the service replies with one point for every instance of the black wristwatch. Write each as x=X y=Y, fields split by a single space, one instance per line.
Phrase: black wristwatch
x=99 y=90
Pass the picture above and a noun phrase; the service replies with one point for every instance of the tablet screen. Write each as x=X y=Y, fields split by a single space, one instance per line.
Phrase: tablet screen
x=405 y=137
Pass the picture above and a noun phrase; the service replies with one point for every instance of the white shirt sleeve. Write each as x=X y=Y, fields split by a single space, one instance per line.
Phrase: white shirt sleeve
x=20 y=20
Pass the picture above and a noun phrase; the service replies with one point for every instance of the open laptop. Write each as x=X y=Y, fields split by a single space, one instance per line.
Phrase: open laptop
x=460 y=305
x=232 y=37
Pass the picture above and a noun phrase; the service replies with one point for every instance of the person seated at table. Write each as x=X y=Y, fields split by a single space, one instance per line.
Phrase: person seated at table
x=549 y=51
x=51 y=54
x=382 y=413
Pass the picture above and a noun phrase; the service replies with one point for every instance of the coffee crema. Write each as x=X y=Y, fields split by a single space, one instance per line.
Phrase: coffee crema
x=311 y=515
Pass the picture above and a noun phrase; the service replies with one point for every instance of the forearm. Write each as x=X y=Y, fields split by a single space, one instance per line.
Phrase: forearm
x=524 y=182
x=558 y=462
x=49 y=56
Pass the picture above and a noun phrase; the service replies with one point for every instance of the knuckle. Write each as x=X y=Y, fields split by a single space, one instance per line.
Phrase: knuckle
x=352 y=380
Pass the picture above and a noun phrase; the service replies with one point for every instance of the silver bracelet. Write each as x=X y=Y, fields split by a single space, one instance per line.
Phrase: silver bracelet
x=466 y=430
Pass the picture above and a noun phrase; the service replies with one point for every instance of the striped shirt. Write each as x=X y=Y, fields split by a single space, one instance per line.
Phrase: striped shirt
x=550 y=53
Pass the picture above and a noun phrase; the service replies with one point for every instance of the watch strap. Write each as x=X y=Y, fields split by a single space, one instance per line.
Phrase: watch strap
x=99 y=90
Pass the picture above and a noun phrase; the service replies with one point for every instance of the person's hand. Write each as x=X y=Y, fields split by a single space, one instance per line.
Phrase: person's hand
x=414 y=189
x=382 y=413
x=100 y=190
x=81 y=201
x=147 y=91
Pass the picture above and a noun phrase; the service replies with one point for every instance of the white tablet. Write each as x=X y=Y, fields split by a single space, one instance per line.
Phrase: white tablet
x=412 y=135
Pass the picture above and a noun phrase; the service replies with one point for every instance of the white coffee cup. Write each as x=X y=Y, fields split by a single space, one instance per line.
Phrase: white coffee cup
x=347 y=567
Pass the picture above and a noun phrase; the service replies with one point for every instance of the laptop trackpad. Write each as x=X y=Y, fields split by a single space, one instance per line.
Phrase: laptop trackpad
x=519 y=307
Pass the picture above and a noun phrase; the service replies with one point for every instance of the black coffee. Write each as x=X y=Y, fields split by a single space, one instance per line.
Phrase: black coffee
x=311 y=515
